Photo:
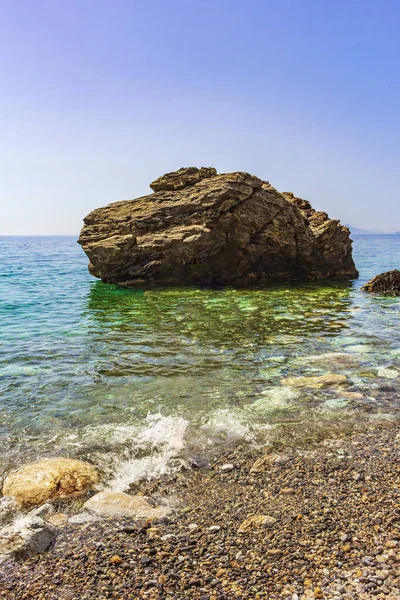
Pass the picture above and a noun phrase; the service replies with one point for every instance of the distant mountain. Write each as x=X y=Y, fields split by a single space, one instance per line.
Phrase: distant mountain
x=357 y=231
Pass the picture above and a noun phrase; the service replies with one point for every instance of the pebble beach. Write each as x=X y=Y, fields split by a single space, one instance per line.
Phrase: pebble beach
x=315 y=521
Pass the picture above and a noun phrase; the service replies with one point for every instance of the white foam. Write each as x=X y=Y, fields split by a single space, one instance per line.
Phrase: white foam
x=161 y=439
x=227 y=424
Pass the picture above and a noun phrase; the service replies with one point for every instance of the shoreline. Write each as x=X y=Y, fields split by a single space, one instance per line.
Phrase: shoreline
x=332 y=531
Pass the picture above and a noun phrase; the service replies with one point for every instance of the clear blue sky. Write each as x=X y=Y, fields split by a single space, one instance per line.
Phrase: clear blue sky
x=98 y=98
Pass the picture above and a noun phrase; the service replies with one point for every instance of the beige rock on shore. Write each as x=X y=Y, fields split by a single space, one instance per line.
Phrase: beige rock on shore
x=48 y=479
x=119 y=504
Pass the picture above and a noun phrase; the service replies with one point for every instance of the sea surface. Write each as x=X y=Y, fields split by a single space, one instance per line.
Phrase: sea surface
x=143 y=382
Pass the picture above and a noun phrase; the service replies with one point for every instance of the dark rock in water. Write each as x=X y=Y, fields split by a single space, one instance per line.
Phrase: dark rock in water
x=386 y=283
x=203 y=228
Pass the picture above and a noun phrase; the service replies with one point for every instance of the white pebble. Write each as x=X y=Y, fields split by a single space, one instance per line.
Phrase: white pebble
x=227 y=467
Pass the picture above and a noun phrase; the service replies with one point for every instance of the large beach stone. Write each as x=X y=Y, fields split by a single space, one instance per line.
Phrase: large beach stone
x=321 y=381
x=119 y=504
x=25 y=537
x=385 y=283
x=203 y=228
x=52 y=478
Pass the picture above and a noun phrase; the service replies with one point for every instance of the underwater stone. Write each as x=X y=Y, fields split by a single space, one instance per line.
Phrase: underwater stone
x=321 y=381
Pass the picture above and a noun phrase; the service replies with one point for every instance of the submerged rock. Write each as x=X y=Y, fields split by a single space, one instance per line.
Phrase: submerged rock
x=388 y=373
x=52 y=478
x=321 y=381
x=203 y=228
x=119 y=504
x=27 y=536
x=385 y=283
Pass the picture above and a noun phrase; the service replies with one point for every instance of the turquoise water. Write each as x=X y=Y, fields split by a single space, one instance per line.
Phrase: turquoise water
x=139 y=380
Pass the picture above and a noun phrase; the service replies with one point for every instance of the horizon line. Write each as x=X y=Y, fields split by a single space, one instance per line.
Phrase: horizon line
x=38 y=234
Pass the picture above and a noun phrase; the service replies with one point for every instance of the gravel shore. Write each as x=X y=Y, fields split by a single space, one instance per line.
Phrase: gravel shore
x=328 y=527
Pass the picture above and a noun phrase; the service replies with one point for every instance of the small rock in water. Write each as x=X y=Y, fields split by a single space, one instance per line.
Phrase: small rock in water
x=214 y=528
x=385 y=283
x=351 y=395
x=388 y=373
x=320 y=381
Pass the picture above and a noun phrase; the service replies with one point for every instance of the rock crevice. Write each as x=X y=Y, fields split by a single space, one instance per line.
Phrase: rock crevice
x=200 y=227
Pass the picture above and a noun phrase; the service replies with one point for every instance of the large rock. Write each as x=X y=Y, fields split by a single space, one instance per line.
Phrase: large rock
x=27 y=536
x=386 y=283
x=203 y=228
x=52 y=478
x=331 y=242
x=119 y=504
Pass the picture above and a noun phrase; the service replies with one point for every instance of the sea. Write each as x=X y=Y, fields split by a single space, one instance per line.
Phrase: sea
x=144 y=382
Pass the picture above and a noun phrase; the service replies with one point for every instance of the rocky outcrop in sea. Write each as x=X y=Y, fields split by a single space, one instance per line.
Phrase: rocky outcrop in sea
x=200 y=227
x=385 y=283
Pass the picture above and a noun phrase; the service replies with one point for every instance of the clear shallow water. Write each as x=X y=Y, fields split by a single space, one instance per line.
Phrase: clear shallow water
x=139 y=380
